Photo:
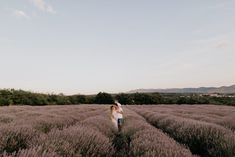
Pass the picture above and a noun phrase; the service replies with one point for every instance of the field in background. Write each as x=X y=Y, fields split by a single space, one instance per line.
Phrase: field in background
x=86 y=131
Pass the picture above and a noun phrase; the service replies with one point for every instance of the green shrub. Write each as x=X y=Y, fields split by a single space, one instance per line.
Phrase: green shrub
x=124 y=98
x=104 y=98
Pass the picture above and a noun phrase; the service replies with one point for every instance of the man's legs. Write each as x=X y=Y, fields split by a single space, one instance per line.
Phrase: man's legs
x=120 y=123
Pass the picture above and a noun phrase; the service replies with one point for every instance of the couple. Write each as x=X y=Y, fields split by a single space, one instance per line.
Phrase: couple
x=117 y=115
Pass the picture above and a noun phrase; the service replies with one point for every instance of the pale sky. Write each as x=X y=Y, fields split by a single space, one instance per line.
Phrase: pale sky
x=87 y=46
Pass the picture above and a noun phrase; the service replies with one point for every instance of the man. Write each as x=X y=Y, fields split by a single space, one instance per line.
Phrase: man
x=119 y=115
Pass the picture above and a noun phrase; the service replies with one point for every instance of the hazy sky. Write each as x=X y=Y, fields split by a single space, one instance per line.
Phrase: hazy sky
x=87 y=46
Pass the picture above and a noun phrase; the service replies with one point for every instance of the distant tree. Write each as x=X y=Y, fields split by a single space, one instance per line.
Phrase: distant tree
x=5 y=97
x=157 y=98
x=52 y=99
x=5 y=101
x=20 y=97
x=124 y=98
x=40 y=99
x=78 y=99
x=104 y=98
x=81 y=99
x=181 y=100
x=62 y=100
x=90 y=99
x=143 y=98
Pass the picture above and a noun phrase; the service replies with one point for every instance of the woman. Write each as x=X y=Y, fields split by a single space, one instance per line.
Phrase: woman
x=117 y=115
x=113 y=117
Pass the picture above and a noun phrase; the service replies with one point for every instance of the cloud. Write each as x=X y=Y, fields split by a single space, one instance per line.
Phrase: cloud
x=222 y=5
x=224 y=44
x=20 y=14
x=221 y=41
x=43 y=6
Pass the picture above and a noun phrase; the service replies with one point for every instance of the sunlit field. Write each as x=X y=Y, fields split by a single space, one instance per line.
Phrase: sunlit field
x=148 y=131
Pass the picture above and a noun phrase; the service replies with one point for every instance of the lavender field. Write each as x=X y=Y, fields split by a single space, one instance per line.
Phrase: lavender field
x=148 y=131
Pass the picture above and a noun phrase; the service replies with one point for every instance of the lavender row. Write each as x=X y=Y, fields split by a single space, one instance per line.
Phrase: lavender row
x=147 y=141
x=205 y=139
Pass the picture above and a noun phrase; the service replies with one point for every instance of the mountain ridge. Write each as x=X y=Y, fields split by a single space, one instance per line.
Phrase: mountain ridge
x=222 y=89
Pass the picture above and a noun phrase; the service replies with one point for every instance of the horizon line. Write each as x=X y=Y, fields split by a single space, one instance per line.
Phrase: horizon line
x=93 y=93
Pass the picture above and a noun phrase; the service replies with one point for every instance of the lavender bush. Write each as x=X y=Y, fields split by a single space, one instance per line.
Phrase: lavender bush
x=32 y=152
x=86 y=131
x=147 y=141
x=206 y=139
x=15 y=138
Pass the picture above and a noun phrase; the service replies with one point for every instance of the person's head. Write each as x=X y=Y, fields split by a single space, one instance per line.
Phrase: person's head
x=115 y=107
x=117 y=103
x=112 y=107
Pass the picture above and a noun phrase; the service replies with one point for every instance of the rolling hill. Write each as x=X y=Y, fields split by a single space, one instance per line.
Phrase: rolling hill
x=222 y=89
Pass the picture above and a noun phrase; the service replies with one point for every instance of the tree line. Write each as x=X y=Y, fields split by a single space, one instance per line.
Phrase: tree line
x=20 y=97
